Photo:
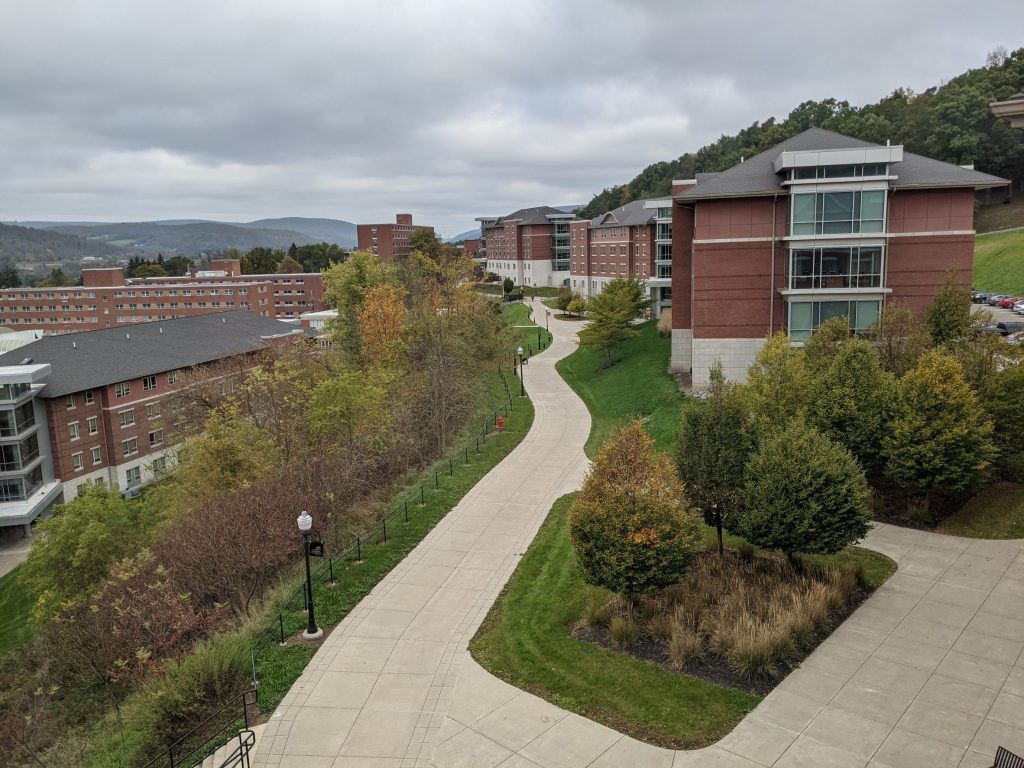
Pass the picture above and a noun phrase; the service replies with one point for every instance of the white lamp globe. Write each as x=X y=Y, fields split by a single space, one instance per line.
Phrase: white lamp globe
x=305 y=522
x=519 y=351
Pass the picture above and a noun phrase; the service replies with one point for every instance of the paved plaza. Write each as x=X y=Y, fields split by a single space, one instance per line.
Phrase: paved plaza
x=927 y=672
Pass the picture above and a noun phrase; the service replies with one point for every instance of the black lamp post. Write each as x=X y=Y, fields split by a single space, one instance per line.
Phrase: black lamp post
x=522 y=376
x=305 y=523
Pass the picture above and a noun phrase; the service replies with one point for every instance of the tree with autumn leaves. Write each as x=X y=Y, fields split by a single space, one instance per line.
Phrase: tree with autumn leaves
x=631 y=525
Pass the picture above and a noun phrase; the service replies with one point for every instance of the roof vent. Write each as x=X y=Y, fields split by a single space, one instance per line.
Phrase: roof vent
x=74 y=345
x=26 y=361
x=161 y=329
x=223 y=319
x=742 y=158
x=128 y=336
x=888 y=142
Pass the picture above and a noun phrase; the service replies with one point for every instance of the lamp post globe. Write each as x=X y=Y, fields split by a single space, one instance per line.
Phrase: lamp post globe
x=522 y=374
x=312 y=631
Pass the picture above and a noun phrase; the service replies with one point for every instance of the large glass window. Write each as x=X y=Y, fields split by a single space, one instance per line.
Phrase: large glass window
x=837 y=213
x=841 y=267
x=18 y=420
x=805 y=316
x=841 y=171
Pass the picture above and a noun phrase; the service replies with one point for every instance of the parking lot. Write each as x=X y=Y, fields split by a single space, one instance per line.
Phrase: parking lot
x=999 y=315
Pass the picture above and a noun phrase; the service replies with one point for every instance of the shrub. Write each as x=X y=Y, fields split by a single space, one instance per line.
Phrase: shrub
x=660 y=625
x=623 y=631
x=777 y=381
x=631 y=526
x=851 y=400
x=194 y=688
x=940 y=439
x=1002 y=396
x=804 y=493
x=665 y=323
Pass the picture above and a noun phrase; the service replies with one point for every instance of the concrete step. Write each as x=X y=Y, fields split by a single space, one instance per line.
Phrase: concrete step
x=217 y=758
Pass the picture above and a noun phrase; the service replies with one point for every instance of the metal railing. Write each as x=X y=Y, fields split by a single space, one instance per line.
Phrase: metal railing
x=205 y=738
x=279 y=629
x=202 y=741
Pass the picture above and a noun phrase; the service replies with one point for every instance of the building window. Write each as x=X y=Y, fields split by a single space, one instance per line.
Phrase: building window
x=73 y=430
x=851 y=267
x=156 y=437
x=77 y=461
x=805 y=316
x=69 y=402
x=89 y=398
x=152 y=410
x=172 y=377
x=133 y=476
x=159 y=465
x=129 y=447
x=97 y=455
x=127 y=418
x=92 y=424
x=122 y=389
x=834 y=213
x=148 y=383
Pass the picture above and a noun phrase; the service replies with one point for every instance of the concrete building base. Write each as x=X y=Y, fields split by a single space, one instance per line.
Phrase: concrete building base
x=681 y=357
x=735 y=355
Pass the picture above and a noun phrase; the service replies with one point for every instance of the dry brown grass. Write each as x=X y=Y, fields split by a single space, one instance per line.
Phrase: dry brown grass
x=665 y=323
x=623 y=631
x=754 y=612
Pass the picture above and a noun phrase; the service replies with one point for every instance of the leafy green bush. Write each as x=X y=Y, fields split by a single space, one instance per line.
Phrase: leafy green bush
x=804 y=493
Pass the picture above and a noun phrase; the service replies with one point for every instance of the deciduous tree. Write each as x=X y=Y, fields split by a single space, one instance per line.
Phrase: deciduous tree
x=631 y=525
x=949 y=316
x=715 y=443
x=900 y=337
x=777 y=381
x=940 y=439
x=803 y=493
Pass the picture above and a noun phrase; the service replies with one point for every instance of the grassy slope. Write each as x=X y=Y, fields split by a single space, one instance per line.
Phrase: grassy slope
x=1000 y=216
x=519 y=314
x=15 y=609
x=999 y=262
x=639 y=385
x=525 y=641
x=997 y=512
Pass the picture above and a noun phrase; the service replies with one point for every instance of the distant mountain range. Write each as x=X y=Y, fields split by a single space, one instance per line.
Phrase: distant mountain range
x=188 y=237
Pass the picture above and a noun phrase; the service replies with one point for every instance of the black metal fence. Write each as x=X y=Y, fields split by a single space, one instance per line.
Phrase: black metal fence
x=288 y=619
x=229 y=722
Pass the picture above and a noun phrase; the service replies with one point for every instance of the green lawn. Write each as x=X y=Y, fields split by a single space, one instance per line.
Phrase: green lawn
x=638 y=385
x=999 y=262
x=525 y=640
x=997 y=512
x=15 y=609
x=519 y=314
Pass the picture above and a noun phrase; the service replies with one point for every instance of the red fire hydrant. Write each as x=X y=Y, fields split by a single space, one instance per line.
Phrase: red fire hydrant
x=501 y=423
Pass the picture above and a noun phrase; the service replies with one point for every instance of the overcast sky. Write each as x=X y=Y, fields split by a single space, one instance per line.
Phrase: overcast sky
x=448 y=109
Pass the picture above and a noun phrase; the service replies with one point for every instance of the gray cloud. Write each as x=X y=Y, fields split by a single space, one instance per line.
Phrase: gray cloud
x=449 y=109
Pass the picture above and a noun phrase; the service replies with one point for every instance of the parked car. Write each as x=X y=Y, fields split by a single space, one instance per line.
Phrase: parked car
x=1009 y=301
x=994 y=299
x=1018 y=307
x=980 y=297
x=1011 y=327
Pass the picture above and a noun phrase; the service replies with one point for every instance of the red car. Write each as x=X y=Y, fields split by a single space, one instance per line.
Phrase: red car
x=1009 y=302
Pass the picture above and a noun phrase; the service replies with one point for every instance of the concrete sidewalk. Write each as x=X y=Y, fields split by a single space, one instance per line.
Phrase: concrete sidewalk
x=376 y=693
x=928 y=672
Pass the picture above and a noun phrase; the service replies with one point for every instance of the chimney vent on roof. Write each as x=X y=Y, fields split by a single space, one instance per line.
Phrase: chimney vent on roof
x=742 y=158
x=888 y=142
x=74 y=345
x=128 y=336
x=223 y=319
x=161 y=329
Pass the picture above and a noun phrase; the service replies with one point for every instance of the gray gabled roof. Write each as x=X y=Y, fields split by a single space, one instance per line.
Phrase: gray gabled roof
x=535 y=215
x=92 y=359
x=757 y=176
x=628 y=215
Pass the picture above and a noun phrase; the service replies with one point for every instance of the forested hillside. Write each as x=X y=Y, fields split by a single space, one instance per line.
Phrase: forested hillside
x=951 y=122
x=21 y=244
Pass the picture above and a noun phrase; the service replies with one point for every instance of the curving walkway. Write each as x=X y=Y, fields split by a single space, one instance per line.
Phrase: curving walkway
x=928 y=672
x=377 y=692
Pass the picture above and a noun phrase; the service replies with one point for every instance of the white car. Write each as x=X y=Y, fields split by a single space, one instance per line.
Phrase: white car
x=1018 y=307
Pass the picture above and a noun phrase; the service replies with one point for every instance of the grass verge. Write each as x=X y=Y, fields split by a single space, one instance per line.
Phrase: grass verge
x=997 y=512
x=639 y=385
x=15 y=610
x=525 y=640
x=519 y=315
x=999 y=262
